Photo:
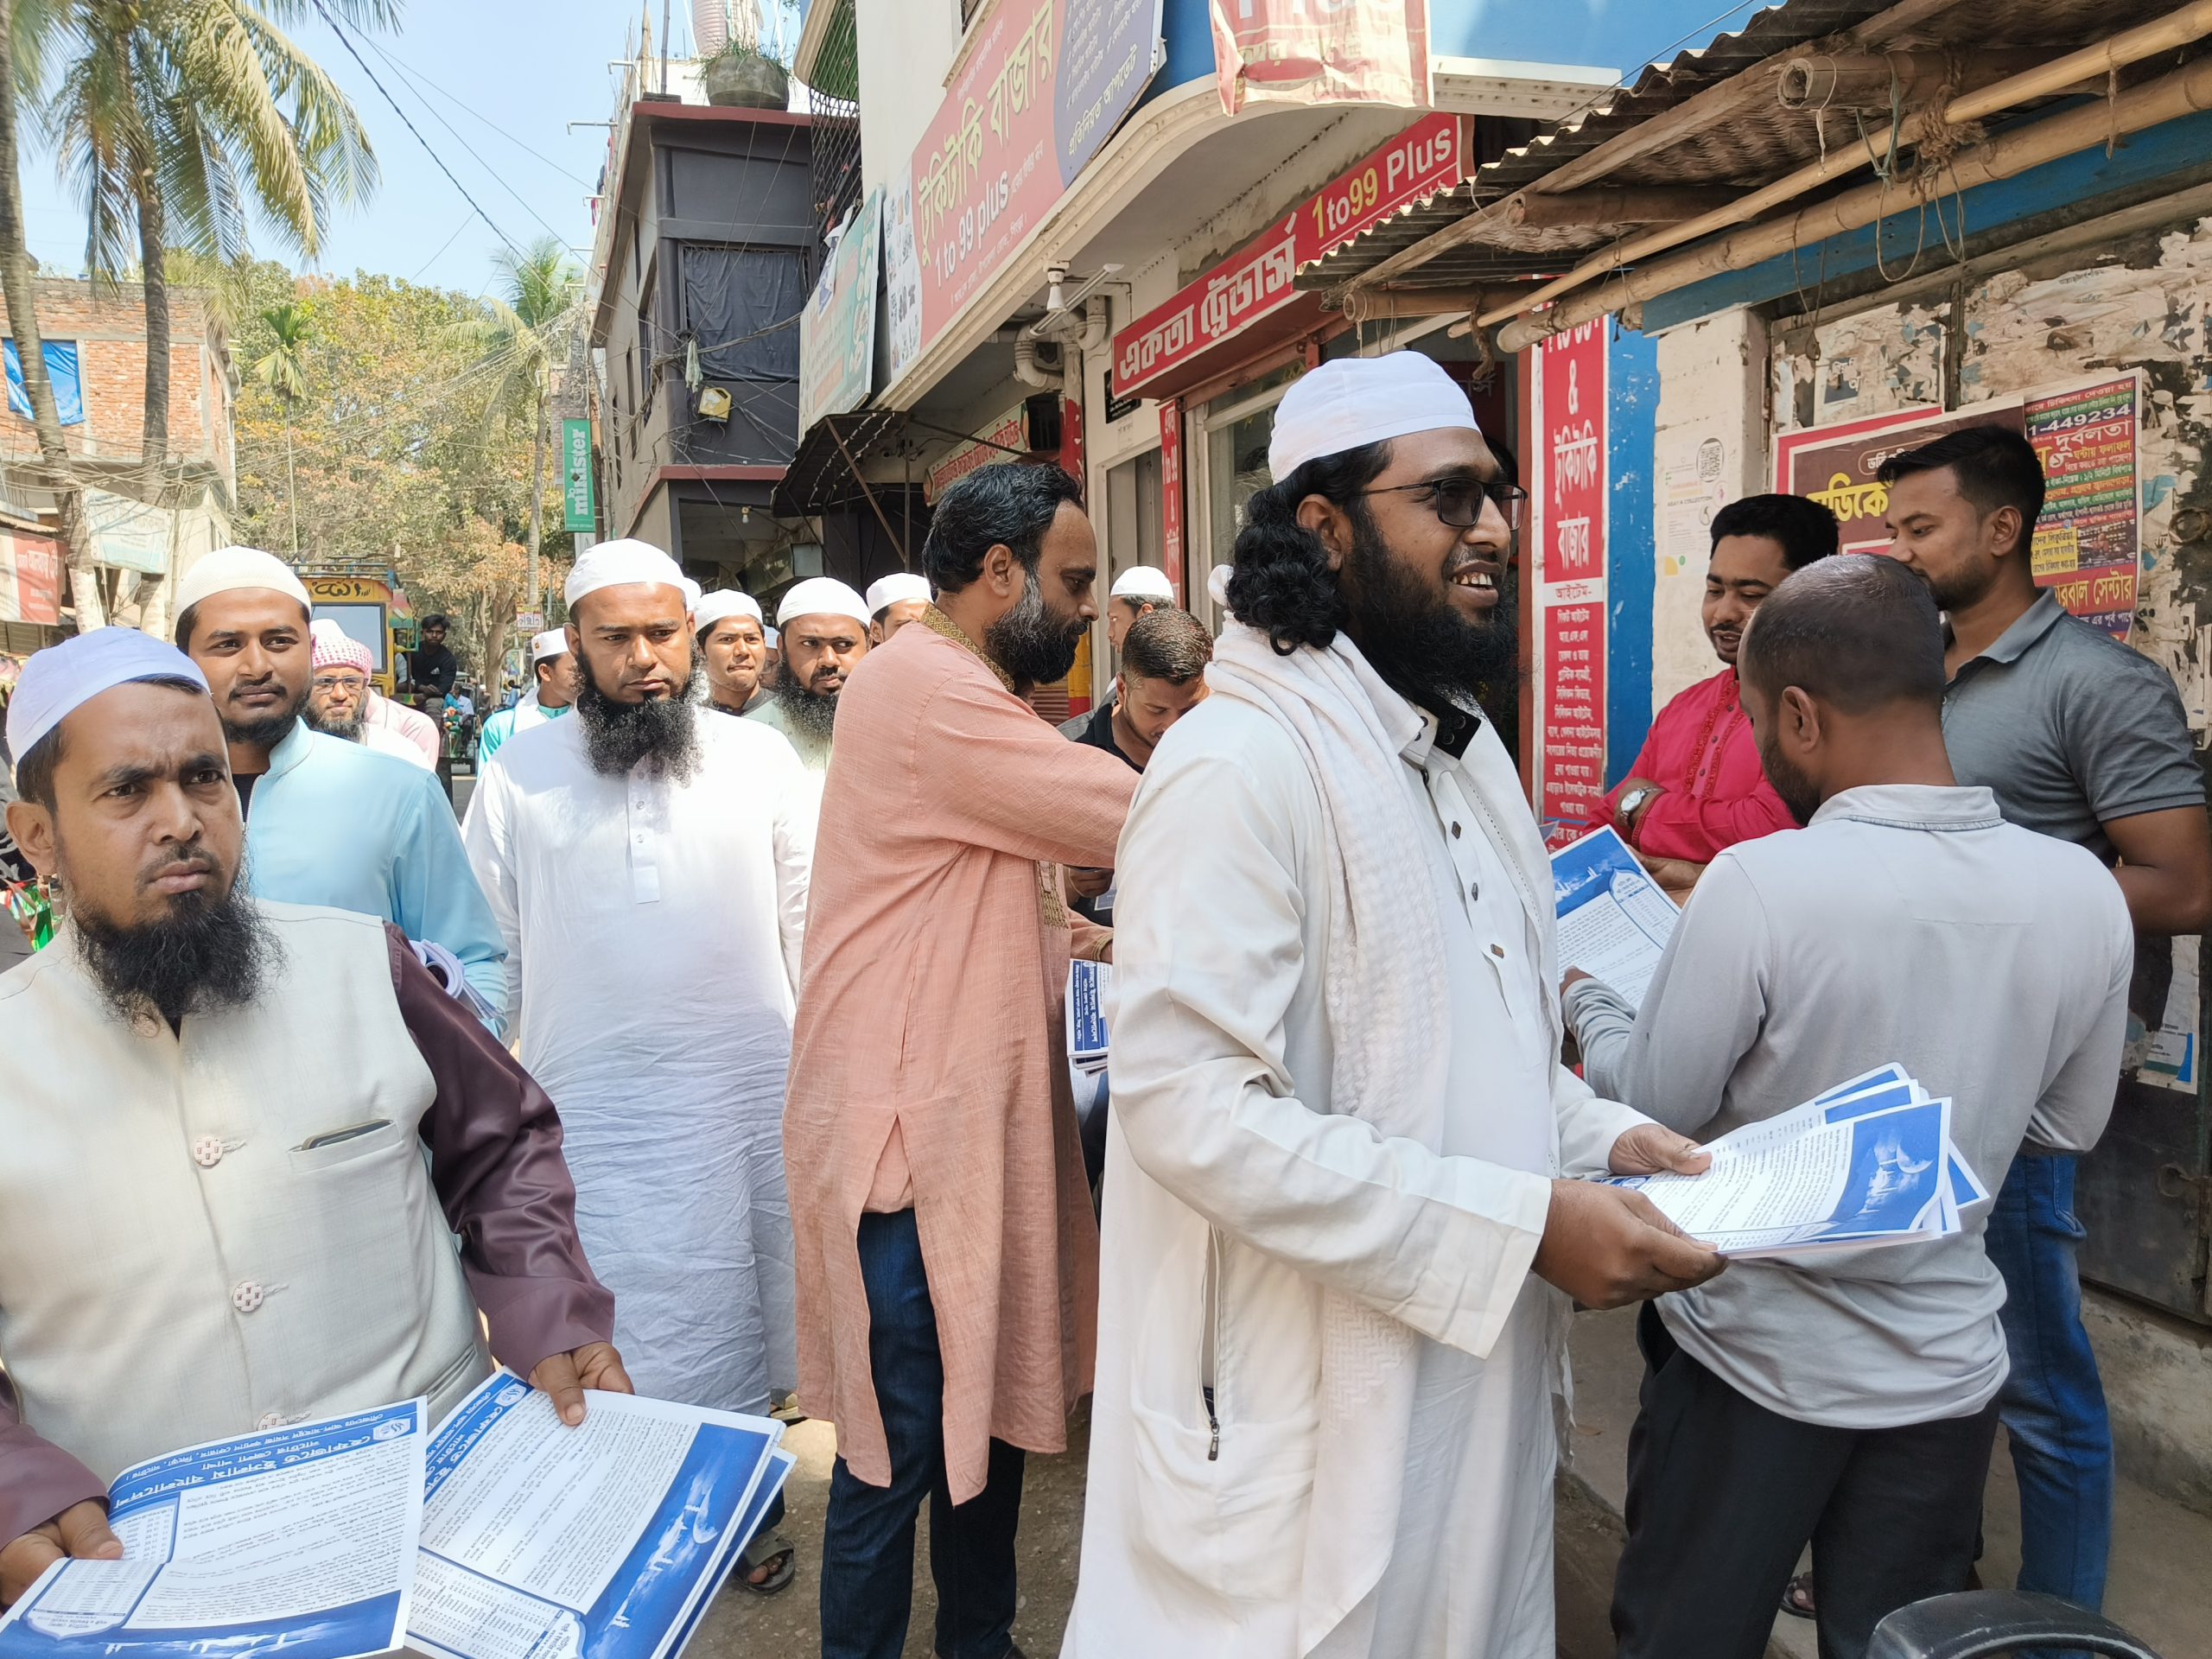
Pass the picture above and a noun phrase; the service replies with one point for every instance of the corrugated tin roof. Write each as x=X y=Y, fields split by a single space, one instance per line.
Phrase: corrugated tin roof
x=1751 y=146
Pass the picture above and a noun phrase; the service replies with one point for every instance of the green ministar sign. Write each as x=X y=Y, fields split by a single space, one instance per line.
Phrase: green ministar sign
x=575 y=460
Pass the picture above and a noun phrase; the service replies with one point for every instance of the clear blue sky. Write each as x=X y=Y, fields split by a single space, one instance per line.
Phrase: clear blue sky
x=517 y=70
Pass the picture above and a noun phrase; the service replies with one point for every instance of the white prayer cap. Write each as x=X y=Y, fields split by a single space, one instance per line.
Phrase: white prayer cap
x=821 y=596
x=902 y=585
x=545 y=647
x=626 y=563
x=63 y=678
x=229 y=567
x=1352 y=400
x=1143 y=582
x=722 y=604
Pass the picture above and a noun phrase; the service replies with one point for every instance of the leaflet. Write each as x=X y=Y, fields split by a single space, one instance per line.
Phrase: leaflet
x=1806 y=1181
x=543 y=1542
x=301 y=1540
x=1614 y=920
x=1090 y=985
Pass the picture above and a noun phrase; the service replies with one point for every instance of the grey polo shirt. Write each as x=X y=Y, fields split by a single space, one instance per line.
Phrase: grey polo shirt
x=1908 y=923
x=2070 y=729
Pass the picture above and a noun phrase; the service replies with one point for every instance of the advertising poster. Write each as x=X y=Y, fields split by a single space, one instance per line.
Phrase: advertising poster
x=30 y=578
x=1569 y=525
x=579 y=512
x=1171 y=493
x=1298 y=51
x=836 y=332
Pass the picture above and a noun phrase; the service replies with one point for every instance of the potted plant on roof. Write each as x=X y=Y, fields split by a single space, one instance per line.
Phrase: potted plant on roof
x=739 y=75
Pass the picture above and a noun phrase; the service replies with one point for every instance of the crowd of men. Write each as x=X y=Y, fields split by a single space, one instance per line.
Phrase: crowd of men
x=718 y=1051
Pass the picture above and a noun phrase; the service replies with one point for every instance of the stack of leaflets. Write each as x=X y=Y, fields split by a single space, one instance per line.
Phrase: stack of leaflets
x=506 y=1534
x=1869 y=1163
x=1090 y=983
x=1614 y=920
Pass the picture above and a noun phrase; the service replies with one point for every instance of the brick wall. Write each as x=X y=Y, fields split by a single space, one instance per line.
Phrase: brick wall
x=110 y=330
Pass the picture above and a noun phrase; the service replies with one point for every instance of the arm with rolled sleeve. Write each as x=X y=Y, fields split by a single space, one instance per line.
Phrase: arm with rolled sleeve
x=436 y=896
x=1210 y=955
x=1705 y=1008
x=496 y=1162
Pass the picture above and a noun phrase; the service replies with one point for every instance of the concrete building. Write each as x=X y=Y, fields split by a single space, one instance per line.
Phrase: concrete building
x=149 y=523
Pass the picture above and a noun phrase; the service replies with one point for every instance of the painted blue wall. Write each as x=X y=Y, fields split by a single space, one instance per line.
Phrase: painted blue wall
x=1631 y=562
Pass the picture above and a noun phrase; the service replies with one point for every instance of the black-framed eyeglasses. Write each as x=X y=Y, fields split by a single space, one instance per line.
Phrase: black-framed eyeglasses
x=1458 y=501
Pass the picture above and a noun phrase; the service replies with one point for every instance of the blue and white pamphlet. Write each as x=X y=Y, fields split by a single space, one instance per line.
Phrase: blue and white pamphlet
x=300 y=1541
x=1614 y=920
x=1867 y=1163
x=506 y=1534
x=1090 y=983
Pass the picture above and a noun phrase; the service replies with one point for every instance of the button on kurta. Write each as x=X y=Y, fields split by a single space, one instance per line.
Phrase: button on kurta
x=208 y=1151
x=246 y=1296
x=269 y=1420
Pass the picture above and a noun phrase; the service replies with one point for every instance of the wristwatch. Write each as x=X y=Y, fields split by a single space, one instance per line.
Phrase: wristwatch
x=1632 y=803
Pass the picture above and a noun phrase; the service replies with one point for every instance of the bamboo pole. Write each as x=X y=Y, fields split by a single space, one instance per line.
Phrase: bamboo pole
x=1640 y=204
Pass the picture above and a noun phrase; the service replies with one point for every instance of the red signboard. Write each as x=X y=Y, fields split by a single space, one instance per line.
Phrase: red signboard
x=1321 y=52
x=1171 y=493
x=30 y=578
x=1570 y=539
x=1256 y=283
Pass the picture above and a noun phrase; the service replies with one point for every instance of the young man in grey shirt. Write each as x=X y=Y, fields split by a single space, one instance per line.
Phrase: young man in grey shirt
x=1851 y=1401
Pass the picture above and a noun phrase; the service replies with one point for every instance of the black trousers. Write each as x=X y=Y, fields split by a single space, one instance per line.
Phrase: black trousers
x=1722 y=1495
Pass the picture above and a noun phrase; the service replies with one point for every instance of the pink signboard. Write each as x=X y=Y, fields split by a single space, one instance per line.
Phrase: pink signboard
x=1569 y=410
x=1321 y=52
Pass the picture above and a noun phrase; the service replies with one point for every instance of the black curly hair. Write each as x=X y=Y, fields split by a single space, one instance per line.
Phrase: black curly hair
x=1282 y=582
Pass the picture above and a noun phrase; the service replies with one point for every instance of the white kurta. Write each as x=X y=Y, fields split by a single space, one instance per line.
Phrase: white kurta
x=1234 y=1193
x=653 y=935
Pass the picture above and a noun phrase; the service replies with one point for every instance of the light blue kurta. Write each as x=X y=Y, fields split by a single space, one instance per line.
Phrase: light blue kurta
x=332 y=823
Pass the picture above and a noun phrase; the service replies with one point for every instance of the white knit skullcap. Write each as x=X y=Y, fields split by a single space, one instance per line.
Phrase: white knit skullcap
x=722 y=604
x=902 y=585
x=821 y=596
x=230 y=567
x=626 y=564
x=61 y=679
x=1352 y=400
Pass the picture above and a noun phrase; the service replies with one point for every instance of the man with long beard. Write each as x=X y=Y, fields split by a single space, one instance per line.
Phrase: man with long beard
x=947 y=1253
x=648 y=863
x=337 y=703
x=823 y=625
x=1332 y=1323
x=327 y=823
x=216 y=1214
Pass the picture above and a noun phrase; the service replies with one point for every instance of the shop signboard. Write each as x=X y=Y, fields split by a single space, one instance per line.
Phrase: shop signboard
x=1009 y=432
x=836 y=332
x=30 y=578
x=1171 y=493
x=1043 y=84
x=1298 y=51
x=128 y=535
x=581 y=509
x=1256 y=283
x=1569 y=410
x=2088 y=544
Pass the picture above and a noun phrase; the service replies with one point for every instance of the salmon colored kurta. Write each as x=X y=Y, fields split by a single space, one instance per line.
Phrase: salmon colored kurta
x=936 y=961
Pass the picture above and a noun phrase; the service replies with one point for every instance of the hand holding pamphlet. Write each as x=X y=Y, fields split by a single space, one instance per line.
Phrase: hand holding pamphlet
x=1869 y=1163
x=1614 y=920
x=505 y=1535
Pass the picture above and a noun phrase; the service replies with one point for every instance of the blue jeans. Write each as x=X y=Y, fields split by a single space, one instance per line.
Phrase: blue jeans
x=868 y=1544
x=2054 y=1402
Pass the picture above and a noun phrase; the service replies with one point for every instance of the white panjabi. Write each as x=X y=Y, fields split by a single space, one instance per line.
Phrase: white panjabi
x=626 y=564
x=1352 y=401
x=897 y=587
x=228 y=569
x=821 y=596
x=61 y=679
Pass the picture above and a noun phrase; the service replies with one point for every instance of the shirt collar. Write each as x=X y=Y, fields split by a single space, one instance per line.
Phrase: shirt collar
x=2028 y=626
x=937 y=622
x=291 y=751
x=1914 y=806
x=1430 y=736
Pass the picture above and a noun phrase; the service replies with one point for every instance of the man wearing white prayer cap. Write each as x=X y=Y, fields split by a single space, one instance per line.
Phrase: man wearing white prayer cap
x=272 y=1171
x=1331 y=1330
x=894 y=601
x=825 y=624
x=552 y=693
x=734 y=648
x=648 y=864
x=1140 y=588
x=327 y=821
x=338 y=697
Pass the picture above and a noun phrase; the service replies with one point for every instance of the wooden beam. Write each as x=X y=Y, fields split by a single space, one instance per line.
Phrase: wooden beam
x=1877 y=82
x=1634 y=205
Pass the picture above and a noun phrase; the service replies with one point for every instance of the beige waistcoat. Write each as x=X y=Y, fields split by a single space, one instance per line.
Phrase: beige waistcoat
x=175 y=1265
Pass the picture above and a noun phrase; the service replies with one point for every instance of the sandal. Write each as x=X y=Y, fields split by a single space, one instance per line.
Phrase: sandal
x=776 y=1552
x=1797 y=1597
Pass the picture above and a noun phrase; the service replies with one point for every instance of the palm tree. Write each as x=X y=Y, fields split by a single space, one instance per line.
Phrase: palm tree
x=283 y=370
x=173 y=117
x=519 y=343
x=15 y=282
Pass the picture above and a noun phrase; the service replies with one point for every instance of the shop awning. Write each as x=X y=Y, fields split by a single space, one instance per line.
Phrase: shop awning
x=824 y=475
